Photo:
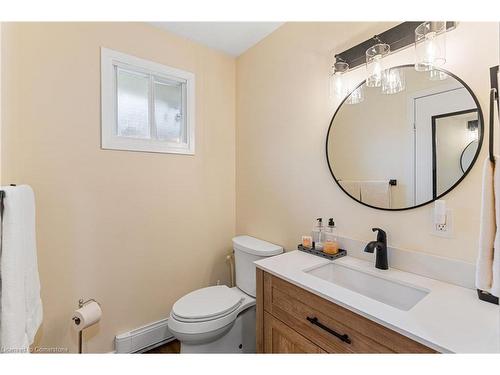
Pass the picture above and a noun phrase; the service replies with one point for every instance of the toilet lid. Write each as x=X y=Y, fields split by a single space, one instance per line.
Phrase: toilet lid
x=211 y=302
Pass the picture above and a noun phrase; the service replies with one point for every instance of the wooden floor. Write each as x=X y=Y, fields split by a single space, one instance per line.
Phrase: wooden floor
x=173 y=347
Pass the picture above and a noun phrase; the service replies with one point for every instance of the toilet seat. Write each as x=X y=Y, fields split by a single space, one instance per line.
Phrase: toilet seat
x=206 y=304
x=220 y=312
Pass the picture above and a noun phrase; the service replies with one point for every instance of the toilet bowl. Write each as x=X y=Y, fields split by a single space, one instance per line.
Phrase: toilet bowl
x=206 y=315
x=219 y=319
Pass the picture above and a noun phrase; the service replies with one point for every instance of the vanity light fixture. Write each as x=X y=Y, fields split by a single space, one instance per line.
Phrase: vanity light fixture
x=375 y=62
x=393 y=81
x=430 y=45
x=338 y=88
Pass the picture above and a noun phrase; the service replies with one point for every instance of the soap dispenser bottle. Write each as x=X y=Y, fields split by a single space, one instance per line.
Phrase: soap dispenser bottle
x=317 y=234
x=330 y=245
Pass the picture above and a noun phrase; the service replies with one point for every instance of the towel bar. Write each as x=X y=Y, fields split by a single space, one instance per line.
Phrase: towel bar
x=482 y=295
x=2 y=196
x=493 y=98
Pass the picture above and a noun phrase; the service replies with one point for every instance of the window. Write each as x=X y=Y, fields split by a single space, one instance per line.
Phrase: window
x=145 y=106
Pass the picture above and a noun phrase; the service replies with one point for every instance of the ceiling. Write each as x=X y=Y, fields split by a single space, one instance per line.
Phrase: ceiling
x=233 y=38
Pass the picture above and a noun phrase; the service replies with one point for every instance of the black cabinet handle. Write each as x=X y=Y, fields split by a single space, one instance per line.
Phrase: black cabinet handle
x=315 y=321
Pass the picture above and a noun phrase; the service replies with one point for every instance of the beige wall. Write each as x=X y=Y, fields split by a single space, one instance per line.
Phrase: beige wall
x=133 y=230
x=283 y=113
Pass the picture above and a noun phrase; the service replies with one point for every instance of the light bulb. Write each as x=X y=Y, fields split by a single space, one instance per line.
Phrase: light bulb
x=339 y=85
x=377 y=67
x=431 y=47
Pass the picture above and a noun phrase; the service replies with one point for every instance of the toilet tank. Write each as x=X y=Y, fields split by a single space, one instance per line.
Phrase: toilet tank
x=246 y=251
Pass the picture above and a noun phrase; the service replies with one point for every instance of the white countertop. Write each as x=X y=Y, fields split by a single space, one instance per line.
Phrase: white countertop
x=449 y=319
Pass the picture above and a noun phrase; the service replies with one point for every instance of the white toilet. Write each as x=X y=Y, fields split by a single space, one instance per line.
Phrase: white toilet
x=219 y=319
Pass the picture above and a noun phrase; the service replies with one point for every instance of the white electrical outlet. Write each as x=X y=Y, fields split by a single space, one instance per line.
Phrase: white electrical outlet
x=443 y=230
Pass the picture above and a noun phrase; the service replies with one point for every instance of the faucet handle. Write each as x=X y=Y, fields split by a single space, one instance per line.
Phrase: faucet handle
x=381 y=235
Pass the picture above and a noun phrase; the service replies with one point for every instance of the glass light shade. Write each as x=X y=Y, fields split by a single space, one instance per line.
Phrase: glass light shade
x=338 y=88
x=430 y=45
x=357 y=96
x=393 y=81
x=375 y=63
x=437 y=75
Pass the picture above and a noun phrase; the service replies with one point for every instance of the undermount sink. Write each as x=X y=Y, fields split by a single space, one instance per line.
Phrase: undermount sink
x=393 y=293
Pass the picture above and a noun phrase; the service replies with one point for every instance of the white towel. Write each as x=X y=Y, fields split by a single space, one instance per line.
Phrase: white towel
x=488 y=258
x=352 y=187
x=20 y=303
x=376 y=193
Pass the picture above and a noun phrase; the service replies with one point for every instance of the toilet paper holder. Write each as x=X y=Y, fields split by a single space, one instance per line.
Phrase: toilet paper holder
x=81 y=303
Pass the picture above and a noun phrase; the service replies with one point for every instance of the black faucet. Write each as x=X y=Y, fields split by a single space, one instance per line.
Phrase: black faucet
x=381 y=246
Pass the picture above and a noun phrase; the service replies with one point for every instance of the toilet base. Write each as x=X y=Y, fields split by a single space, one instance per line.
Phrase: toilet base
x=239 y=339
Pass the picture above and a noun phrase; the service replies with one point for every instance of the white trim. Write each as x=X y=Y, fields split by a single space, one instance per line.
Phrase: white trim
x=109 y=140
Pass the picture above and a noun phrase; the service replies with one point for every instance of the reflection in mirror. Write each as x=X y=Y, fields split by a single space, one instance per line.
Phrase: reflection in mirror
x=451 y=134
x=401 y=150
x=468 y=155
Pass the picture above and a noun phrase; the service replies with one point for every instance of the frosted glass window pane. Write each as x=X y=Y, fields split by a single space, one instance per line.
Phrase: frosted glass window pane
x=132 y=105
x=169 y=117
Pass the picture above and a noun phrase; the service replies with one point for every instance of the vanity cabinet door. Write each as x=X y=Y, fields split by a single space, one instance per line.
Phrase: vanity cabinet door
x=279 y=338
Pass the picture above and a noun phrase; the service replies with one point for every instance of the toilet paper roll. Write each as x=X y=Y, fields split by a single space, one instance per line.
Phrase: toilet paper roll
x=86 y=316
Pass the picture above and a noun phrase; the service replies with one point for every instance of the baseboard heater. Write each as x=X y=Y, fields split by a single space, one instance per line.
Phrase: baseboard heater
x=144 y=338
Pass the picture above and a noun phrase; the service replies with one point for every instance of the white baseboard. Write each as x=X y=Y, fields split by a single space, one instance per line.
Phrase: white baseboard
x=143 y=338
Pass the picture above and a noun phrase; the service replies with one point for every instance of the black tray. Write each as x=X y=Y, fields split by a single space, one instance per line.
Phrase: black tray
x=340 y=254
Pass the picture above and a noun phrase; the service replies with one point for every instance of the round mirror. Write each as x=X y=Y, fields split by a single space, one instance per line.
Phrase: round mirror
x=406 y=143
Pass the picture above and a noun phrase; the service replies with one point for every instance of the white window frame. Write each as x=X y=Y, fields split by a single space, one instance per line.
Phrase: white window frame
x=109 y=138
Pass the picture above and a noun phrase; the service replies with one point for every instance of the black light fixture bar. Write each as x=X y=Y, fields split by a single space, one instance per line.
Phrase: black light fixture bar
x=400 y=36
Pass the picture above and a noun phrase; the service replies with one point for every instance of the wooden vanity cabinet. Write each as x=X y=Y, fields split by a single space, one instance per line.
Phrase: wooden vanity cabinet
x=292 y=320
x=280 y=338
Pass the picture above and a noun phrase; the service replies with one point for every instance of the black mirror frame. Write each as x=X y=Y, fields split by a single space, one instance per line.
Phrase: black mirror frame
x=480 y=140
